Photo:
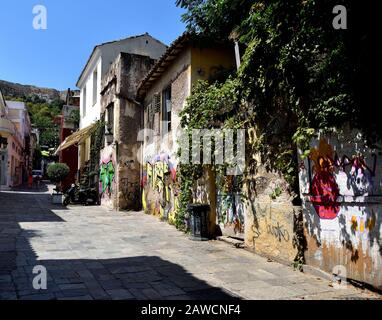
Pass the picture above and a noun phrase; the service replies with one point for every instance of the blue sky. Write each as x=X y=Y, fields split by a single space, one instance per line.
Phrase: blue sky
x=55 y=57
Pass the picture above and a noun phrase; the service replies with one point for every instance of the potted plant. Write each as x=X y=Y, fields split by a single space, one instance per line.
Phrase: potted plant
x=56 y=173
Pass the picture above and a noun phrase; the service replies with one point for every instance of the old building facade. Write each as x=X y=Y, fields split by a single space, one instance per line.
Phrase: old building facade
x=120 y=155
x=7 y=129
x=19 y=151
x=163 y=94
x=91 y=76
x=16 y=153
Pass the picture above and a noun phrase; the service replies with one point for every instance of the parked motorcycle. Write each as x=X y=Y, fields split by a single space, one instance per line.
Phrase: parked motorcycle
x=79 y=195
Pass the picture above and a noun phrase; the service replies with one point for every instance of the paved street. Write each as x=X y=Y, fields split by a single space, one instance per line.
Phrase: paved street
x=94 y=253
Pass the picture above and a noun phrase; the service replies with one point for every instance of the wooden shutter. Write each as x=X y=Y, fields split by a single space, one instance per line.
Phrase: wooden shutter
x=157 y=102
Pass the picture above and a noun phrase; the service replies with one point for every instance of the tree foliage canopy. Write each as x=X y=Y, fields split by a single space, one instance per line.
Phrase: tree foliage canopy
x=57 y=172
x=298 y=73
x=42 y=114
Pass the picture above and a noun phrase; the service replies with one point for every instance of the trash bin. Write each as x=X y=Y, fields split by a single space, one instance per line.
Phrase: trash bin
x=199 y=217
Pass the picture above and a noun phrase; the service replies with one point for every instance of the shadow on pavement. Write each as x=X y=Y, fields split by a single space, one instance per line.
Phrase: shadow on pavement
x=36 y=188
x=140 y=277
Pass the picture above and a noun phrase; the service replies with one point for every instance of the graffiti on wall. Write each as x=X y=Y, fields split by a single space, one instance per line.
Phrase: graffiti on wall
x=107 y=175
x=270 y=224
x=362 y=225
x=272 y=229
x=160 y=186
x=230 y=207
x=278 y=231
x=130 y=192
x=332 y=175
x=341 y=189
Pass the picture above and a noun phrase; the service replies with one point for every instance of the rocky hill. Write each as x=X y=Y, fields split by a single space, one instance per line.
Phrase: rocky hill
x=19 y=90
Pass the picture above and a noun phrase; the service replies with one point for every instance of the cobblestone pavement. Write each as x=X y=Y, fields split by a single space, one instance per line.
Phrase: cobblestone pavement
x=95 y=253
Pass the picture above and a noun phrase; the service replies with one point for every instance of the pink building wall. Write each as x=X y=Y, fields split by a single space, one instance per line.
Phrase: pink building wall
x=15 y=159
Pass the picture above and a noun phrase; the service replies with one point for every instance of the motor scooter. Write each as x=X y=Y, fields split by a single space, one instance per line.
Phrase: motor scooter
x=80 y=195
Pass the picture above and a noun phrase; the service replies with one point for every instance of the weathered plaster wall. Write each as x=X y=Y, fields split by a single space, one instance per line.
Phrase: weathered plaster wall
x=341 y=188
x=160 y=185
x=206 y=62
x=119 y=88
x=129 y=170
x=192 y=64
x=270 y=222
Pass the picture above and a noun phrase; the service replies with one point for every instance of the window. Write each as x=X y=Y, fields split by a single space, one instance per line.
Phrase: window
x=166 y=110
x=150 y=115
x=84 y=102
x=156 y=113
x=110 y=118
x=95 y=89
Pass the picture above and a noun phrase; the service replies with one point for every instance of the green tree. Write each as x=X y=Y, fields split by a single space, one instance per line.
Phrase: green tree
x=298 y=74
x=42 y=115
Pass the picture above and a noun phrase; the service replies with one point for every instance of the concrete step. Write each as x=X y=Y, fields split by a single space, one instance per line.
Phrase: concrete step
x=233 y=241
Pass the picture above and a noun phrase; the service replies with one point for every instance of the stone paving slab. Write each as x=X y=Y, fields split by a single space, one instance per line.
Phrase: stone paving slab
x=95 y=253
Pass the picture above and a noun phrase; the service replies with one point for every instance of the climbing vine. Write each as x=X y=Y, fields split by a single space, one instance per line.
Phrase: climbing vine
x=297 y=76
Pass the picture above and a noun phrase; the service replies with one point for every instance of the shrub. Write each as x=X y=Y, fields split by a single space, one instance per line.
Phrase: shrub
x=57 y=172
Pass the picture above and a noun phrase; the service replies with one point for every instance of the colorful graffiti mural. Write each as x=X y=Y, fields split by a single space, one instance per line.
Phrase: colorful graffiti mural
x=341 y=189
x=324 y=189
x=230 y=206
x=107 y=175
x=334 y=176
x=160 y=188
x=361 y=225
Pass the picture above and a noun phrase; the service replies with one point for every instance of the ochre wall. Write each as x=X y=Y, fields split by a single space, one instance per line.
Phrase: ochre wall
x=206 y=61
x=270 y=222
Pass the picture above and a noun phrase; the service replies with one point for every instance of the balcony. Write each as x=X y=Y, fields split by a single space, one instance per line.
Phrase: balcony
x=6 y=127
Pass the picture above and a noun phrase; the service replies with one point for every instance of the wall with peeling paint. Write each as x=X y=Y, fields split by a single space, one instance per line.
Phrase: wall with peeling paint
x=119 y=88
x=341 y=189
x=270 y=222
x=159 y=183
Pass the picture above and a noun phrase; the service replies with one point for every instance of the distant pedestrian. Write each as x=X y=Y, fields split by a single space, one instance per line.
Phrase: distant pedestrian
x=30 y=180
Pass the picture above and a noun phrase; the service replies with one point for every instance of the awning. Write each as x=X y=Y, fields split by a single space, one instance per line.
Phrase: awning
x=77 y=137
